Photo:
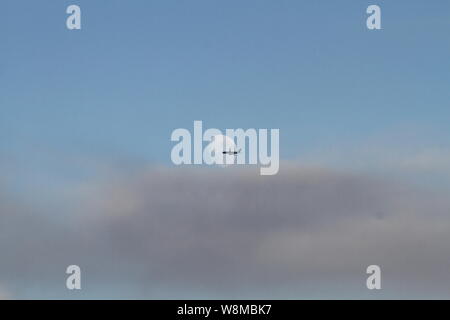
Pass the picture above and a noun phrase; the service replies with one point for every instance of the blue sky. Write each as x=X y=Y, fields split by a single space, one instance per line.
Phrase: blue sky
x=137 y=70
x=74 y=102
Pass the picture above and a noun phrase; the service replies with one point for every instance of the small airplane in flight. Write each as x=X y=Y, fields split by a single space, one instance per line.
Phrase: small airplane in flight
x=232 y=153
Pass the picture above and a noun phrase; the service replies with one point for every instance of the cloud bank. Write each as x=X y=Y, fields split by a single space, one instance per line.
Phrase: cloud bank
x=194 y=233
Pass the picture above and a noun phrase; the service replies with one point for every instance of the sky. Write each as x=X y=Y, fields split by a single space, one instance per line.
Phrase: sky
x=81 y=110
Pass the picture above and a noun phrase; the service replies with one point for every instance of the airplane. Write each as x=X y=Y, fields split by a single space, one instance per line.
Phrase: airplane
x=232 y=153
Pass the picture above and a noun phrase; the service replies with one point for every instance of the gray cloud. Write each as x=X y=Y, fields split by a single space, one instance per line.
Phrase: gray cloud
x=174 y=233
x=4 y=294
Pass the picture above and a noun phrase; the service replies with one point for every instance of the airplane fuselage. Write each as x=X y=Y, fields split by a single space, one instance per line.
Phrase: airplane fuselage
x=232 y=153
